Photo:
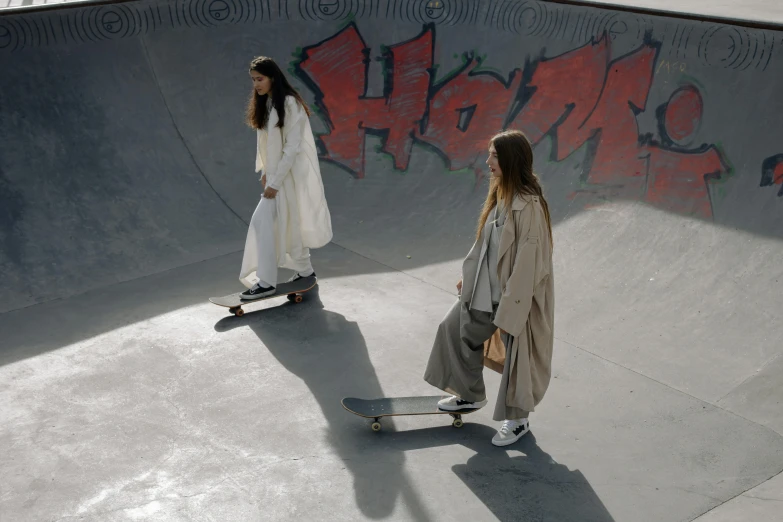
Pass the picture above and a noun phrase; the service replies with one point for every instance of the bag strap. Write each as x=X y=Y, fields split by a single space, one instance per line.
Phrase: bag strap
x=534 y=226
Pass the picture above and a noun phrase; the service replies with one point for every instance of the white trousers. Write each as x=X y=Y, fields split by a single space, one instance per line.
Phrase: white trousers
x=261 y=249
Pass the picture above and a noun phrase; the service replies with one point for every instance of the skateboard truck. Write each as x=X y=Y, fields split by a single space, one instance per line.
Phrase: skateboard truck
x=457 y=422
x=237 y=310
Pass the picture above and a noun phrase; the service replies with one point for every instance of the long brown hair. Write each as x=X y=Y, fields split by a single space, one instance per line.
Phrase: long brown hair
x=515 y=159
x=257 y=114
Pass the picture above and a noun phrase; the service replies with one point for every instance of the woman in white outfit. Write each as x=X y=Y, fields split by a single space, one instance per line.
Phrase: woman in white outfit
x=292 y=216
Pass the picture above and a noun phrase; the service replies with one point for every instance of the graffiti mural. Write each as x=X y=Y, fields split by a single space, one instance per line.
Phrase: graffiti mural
x=456 y=114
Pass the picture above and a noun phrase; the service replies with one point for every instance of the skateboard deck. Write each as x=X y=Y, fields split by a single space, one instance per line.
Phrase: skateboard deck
x=393 y=406
x=293 y=291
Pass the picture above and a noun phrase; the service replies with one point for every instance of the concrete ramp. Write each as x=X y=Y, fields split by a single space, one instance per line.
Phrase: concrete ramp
x=124 y=160
x=126 y=165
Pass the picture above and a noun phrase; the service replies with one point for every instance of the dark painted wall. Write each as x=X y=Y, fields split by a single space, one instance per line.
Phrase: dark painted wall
x=123 y=152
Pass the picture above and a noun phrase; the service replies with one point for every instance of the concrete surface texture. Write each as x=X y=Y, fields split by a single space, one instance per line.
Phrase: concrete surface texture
x=126 y=181
x=767 y=11
x=10 y=4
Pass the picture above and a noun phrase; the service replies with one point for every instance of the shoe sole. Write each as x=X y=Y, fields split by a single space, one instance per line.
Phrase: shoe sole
x=254 y=297
x=312 y=276
x=460 y=408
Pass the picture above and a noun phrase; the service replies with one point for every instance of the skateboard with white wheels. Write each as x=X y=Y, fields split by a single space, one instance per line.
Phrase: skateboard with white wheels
x=376 y=409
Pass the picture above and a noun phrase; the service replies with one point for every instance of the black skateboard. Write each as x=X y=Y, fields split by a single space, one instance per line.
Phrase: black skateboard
x=393 y=406
x=293 y=291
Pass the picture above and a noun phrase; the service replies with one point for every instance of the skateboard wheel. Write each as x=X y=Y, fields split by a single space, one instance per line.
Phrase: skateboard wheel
x=295 y=298
x=457 y=423
x=239 y=312
x=376 y=426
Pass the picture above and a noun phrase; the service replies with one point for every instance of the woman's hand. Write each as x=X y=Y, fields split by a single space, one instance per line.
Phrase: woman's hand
x=459 y=286
x=270 y=193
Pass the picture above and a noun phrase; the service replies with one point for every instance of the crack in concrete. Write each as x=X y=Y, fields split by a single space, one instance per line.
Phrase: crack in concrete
x=744 y=493
x=764 y=498
x=698 y=399
x=749 y=377
x=657 y=488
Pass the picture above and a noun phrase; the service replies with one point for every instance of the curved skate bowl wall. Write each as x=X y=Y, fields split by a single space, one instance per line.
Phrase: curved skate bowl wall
x=123 y=152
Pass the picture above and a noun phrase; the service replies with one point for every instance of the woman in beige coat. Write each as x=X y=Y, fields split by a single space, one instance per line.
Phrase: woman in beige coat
x=507 y=288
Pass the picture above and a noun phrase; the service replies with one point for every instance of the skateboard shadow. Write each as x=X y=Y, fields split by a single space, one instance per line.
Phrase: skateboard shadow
x=329 y=353
x=527 y=486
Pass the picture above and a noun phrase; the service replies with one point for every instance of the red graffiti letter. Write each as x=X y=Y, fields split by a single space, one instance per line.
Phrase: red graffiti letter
x=614 y=121
x=586 y=97
x=772 y=172
x=339 y=65
x=678 y=181
x=466 y=111
x=565 y=86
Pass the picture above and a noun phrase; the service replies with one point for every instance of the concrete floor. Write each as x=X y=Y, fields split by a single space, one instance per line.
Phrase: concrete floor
x=126 y=395
x=153 y=405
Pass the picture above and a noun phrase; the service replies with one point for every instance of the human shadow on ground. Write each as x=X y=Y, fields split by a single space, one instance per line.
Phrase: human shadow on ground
x=518 y=482
x=329 y=353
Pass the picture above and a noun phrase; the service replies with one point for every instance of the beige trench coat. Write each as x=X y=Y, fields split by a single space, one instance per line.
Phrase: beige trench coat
x=527 y=306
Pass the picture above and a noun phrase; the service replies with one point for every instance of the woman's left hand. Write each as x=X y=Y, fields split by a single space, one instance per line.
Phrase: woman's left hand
x=270 y=193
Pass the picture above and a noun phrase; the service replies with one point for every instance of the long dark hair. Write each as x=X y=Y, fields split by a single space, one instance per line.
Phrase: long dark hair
x=257 y=113
x=515 y=159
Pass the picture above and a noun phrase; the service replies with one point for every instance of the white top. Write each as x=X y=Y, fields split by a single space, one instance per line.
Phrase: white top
x=488 y=291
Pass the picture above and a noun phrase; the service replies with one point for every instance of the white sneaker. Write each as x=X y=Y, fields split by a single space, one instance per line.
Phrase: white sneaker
x=454 y=403
x=510 y=432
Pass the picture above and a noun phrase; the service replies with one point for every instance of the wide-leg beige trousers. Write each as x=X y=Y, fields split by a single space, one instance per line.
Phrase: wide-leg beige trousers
x=456 y=364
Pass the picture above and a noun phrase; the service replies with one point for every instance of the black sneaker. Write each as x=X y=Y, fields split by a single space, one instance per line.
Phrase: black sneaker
x=297 y=276
x=257 y=292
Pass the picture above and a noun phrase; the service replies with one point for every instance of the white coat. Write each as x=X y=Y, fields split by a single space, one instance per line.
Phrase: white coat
x=289 y=159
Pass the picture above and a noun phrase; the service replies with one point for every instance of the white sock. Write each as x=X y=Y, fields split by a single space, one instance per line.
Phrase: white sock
x=307 y=273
